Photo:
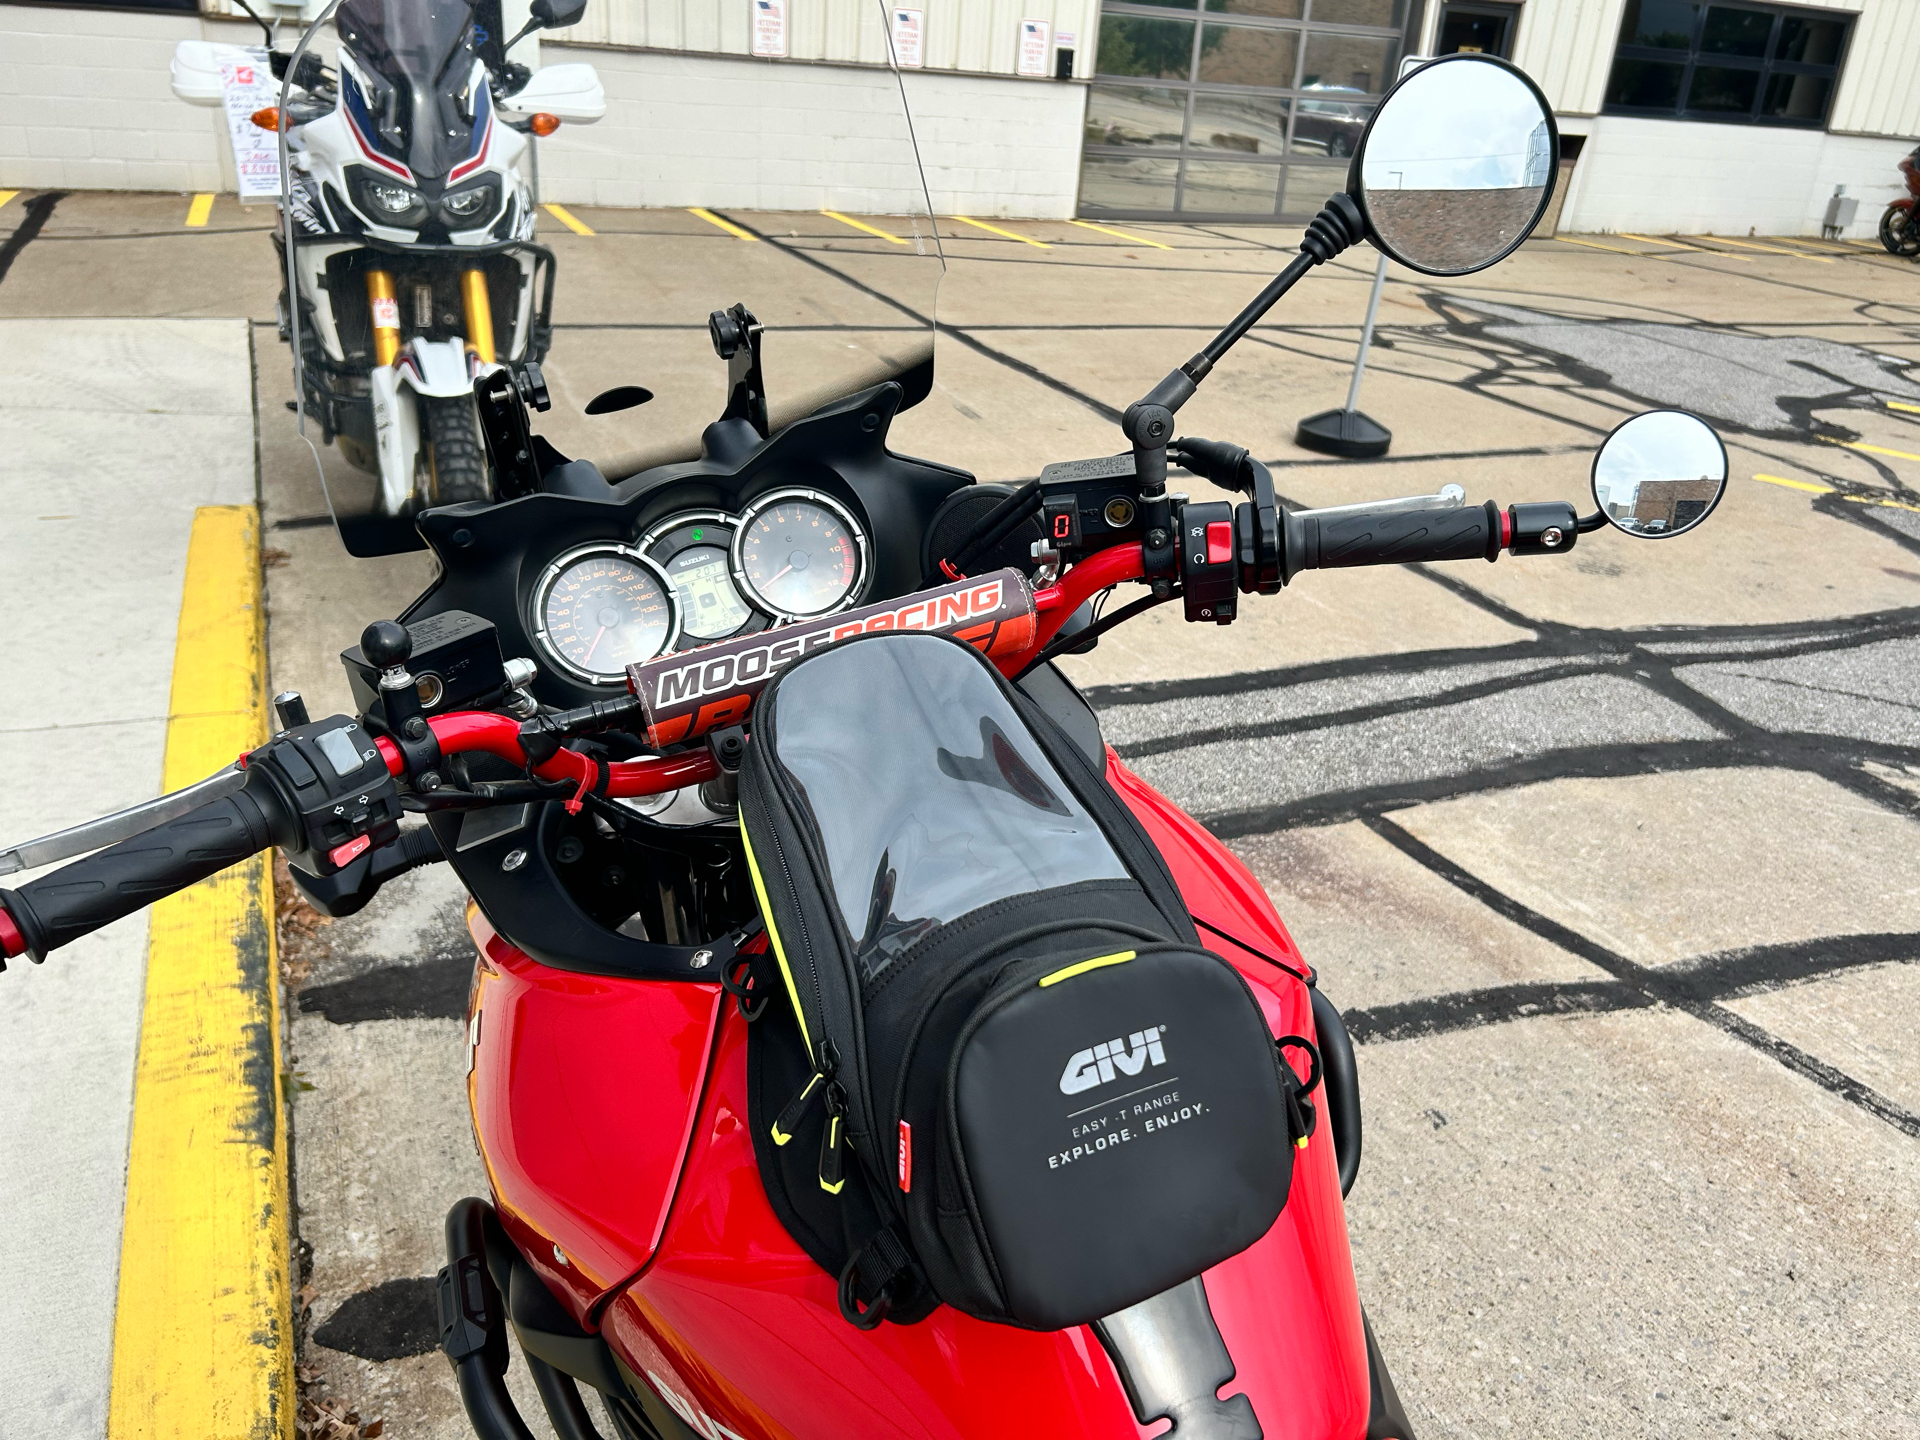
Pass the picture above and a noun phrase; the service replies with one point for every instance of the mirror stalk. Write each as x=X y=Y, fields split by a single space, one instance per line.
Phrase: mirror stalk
x=1148 y=422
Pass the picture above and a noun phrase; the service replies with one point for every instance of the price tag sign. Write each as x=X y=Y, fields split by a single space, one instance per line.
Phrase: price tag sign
x=770 y=28
x=1034 y=35
x=908 y=27
x=247 y=85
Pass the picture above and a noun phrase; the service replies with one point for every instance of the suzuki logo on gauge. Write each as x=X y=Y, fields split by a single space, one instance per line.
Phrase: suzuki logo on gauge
x=1096 y=1066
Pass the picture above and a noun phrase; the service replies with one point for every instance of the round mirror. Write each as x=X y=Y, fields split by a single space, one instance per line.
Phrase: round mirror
x=1659 y=474
x=1457 y=165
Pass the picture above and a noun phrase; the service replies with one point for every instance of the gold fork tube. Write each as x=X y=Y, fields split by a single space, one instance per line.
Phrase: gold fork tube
x=473 y=292
x=385 y=311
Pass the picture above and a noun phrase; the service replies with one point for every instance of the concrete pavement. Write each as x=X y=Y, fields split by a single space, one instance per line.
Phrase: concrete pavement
x=117 y=430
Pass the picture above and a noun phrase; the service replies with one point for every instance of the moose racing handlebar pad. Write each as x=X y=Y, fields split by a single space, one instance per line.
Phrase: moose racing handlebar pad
x=1018 y=1059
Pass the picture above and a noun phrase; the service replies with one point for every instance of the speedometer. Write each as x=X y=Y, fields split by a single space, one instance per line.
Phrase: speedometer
x=602 y=608
x=693 y=547
x=799 y=553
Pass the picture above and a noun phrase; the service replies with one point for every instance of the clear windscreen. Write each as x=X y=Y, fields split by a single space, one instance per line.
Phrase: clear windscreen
x=597 y=250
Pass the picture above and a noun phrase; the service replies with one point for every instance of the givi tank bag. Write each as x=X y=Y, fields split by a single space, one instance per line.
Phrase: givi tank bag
x=1014 y=1081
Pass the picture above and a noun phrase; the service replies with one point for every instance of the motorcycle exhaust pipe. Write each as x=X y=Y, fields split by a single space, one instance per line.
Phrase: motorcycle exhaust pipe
x=385 y=310
x=473 y=293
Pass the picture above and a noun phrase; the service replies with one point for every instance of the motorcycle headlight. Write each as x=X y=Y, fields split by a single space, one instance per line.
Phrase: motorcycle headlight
x=471 y=206
x=387 y=201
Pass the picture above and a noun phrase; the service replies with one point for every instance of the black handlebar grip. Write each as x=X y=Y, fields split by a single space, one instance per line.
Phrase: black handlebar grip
x=1401 y=537
x=78 y=899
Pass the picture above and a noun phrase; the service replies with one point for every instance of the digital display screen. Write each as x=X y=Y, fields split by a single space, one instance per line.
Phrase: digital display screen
x=710 y=606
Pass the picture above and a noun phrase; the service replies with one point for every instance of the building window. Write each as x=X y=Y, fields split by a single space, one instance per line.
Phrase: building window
x=1679 y=59
x=1232 y=109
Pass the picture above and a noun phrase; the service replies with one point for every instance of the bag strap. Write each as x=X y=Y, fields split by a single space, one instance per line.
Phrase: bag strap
x=1301 y=1116
x=873 y=1271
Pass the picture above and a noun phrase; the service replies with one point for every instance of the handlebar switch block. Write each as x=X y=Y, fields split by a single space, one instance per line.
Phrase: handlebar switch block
x=333 y=782
x=1209 y=567
x=1542 y=527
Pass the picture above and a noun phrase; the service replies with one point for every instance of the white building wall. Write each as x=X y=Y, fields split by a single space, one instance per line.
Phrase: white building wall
x=85 y=102
x=694 y=130
x=976 y=36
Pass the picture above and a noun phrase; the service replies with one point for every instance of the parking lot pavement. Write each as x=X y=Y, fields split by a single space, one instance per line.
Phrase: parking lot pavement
x=1609 y=859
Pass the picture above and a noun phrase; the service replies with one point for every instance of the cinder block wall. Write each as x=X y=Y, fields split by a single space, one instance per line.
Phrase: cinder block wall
x=760 y=135
x=85 y=103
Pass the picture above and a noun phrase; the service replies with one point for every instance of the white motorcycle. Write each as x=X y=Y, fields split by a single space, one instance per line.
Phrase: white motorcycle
x=411 y=220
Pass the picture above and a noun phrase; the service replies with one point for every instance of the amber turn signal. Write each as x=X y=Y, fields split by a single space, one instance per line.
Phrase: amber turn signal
x=267 y=117
x=544 y=124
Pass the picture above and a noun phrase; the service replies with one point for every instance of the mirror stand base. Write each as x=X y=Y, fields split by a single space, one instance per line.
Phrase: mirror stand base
x=1346 y=433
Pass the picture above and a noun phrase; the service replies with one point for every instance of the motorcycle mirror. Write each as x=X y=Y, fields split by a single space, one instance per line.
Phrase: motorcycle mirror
x=1659 y=474
x=1456 y=166
x=558 y=14
x=620 y=397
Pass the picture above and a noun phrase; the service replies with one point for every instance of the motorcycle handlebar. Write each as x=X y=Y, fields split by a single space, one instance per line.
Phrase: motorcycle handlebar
x=78 y=899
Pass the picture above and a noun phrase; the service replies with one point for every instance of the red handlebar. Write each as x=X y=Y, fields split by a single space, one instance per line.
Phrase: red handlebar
x=471 y=730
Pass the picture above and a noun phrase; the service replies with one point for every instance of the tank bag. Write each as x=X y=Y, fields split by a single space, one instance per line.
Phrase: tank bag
x=1006 y=1076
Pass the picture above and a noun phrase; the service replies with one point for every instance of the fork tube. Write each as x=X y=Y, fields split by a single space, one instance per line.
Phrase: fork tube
x=385 y=311
x=473 y=291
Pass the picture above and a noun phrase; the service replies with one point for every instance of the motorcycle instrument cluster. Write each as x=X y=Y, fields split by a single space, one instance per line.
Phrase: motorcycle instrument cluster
x=693 y=550
x=696 y=577
x=799 y=553
x=601 y=608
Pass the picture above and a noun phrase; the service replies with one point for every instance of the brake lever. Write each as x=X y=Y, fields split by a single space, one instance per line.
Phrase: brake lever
x=122 y=824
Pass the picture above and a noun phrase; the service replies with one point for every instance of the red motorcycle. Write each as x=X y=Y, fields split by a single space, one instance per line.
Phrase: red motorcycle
x=1897 y=230
x=797 y=659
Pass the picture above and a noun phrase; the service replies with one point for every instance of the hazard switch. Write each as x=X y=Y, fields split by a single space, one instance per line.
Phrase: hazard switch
x=1219 y=542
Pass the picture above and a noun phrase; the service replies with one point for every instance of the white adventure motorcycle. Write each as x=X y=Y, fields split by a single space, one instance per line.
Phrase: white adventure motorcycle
x=412 y=217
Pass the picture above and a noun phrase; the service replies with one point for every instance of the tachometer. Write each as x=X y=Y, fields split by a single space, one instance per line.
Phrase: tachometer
x=693 y=548
x=799 y=553
x=602 y=608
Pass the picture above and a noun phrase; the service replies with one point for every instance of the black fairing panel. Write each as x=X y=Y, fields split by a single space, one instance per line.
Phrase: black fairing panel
x=490 y=552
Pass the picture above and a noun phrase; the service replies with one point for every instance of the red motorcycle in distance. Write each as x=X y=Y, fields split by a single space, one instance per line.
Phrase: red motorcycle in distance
x=857 y=1047
x=1897 y=230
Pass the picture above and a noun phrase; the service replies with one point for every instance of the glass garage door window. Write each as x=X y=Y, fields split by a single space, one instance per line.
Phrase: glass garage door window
x=1232 y=109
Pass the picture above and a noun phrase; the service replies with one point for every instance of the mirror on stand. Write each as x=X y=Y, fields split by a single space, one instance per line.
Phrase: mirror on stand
x=1457 y=165
x=1659 y=474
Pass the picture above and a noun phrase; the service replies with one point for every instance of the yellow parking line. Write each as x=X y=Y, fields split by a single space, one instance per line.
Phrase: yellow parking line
x=198 y=211
x=202 y=1341
x=863 y=225
x=1670 y=244
x=1770 y=249
x=6 y=195
x=726 y=225
x=1910 y=409
x=1806 y=485
x=1882 y=504
x=566 y=217
x=1596 y=245
x=1107 y=230
x=996 y=230
x=1870 y=449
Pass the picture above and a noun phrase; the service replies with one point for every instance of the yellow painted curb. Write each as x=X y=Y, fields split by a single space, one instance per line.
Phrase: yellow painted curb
x=202 y=1342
